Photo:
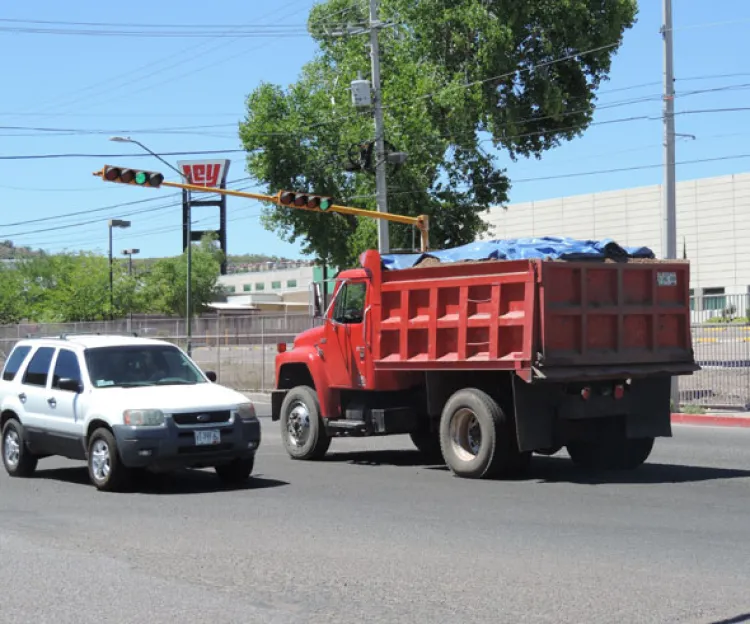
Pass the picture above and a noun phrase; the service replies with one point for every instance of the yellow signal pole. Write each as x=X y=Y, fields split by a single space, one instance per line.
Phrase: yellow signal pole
x=421 y=222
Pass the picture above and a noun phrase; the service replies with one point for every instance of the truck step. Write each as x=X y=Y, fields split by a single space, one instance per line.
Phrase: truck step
x=346 y=424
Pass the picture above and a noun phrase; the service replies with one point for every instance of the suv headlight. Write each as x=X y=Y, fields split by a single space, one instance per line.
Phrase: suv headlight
x=246 y=411
x=143 y=417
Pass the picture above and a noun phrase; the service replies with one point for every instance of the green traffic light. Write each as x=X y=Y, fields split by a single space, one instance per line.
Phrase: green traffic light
x=325 y=204
x=141 y=177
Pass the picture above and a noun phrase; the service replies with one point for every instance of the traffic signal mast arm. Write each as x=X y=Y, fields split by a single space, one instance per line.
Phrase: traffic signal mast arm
x=282 y=198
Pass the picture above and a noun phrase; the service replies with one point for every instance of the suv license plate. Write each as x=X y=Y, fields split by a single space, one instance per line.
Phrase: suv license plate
x=203 y=438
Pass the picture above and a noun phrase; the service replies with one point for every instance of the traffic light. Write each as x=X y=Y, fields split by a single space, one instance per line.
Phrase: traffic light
x=303 y=200
x=125 y=175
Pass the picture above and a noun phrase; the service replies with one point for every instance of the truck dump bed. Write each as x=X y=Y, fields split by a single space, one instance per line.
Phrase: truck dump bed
x=541 y=318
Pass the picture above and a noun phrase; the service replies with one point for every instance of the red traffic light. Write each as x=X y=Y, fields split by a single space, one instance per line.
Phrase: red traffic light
x=286 y=198
x=300 y=200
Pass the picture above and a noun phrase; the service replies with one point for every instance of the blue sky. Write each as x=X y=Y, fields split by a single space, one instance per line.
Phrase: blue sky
x=148 y=87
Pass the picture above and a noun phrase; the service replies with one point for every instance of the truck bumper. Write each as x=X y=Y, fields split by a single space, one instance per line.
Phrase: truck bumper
x=173 y=447
x=547 y=416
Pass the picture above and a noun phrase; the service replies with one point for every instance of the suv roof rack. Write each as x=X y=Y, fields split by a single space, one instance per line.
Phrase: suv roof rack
x=67 y=335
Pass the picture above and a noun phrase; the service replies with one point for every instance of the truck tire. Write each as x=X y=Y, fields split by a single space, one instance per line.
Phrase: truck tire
x=477 y=438
x=620 y=454
x=428 y=444
x=106 y=471
x=302 y=429
x=18 y=460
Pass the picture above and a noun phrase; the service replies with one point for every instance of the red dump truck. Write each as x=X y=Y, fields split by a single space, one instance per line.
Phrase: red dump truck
x=485 y=363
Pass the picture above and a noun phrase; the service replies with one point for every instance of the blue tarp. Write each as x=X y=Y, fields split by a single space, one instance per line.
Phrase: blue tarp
x=546 y=247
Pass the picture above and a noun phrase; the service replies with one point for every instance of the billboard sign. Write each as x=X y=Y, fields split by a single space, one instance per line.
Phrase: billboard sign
x=208 y=173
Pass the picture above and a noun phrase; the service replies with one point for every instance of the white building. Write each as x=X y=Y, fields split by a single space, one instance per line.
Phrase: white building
x=713 y=229
x=273 y=290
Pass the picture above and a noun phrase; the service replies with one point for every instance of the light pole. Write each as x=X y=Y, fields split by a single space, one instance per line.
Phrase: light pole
x=130 y=253
x=113 y=223
x=189 y=250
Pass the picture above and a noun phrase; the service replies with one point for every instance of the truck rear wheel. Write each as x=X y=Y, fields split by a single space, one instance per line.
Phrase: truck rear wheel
x=477 y=437
x=619 y=454
x=302 y=429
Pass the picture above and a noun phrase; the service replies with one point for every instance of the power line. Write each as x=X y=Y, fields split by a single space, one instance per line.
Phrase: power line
x=133 y=155
x=186 y=55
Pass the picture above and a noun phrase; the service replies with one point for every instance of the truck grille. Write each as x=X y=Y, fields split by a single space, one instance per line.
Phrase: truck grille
x=201 y=418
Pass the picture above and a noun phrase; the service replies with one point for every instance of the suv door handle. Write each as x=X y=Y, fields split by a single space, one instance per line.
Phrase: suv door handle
x=52 y=401
x=22 y=397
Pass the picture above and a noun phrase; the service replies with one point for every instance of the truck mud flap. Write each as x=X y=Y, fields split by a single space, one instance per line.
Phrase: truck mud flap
x=277 y=398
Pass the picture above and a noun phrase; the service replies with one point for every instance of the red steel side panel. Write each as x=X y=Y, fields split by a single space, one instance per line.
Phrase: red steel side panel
x=636 y=312
x=471 y=316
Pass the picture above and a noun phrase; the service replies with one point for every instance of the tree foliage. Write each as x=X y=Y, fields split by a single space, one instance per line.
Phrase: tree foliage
x=459 y=77
x=75 y=287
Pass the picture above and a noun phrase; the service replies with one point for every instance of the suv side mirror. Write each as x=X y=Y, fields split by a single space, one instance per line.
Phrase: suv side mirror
x=70 y=385
x=211 y=376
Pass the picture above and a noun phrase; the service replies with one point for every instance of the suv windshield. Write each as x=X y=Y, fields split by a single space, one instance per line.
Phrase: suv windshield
x=136 y=365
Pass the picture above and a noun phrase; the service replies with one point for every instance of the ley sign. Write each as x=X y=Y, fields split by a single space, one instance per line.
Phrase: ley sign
x=208 y=173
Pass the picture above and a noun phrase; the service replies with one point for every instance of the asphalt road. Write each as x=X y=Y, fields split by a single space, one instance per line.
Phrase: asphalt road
x=370 y=535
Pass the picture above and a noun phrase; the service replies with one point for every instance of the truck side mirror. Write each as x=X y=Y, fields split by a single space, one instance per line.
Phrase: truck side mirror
x=317 y=311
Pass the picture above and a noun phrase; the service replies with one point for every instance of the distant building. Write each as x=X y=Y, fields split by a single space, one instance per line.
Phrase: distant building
x=285 y=289
x=713 y=230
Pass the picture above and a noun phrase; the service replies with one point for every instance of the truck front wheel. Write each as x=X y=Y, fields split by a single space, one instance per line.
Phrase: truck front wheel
x=302 y=429
x=619 y=454
x=477 y=437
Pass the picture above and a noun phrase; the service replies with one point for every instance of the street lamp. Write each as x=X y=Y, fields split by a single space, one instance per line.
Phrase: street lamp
x=188 y=286
x=113 y=223
x=130 y=253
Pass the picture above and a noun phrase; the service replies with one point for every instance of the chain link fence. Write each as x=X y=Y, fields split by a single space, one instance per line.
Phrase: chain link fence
x=241 y=349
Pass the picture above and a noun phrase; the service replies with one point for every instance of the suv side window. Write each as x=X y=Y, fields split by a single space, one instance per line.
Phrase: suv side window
x=38 y=368
x=66 y=367
x=350 y=303
x=14 y=362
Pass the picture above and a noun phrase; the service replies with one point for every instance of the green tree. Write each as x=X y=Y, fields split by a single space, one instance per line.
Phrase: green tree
x=165 y=284
x=458 y=75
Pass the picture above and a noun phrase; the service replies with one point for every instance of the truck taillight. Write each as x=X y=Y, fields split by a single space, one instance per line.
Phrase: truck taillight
x=281 y=347
x=619 y=391
x=586 y=393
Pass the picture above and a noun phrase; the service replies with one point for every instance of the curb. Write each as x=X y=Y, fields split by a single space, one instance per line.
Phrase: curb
x=711 y=420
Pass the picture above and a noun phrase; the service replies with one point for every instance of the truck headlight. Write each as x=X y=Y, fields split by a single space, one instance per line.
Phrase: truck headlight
x=143 y=417
x=246 y=411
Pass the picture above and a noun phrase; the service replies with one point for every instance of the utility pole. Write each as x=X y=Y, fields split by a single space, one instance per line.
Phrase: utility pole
x=380 y=159
x=669 y=201
x=669 y=225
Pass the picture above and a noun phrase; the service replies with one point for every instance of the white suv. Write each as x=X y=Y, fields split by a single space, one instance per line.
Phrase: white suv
x=121 y=403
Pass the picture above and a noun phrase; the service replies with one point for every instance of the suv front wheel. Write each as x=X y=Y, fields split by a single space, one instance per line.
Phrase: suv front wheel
x=18 y=460
x=106 y=471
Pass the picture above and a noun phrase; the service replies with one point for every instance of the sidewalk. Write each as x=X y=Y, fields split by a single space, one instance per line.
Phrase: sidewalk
x=718 y=419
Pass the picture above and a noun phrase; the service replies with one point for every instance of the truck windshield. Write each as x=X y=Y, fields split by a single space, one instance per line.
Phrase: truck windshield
x=140 y=365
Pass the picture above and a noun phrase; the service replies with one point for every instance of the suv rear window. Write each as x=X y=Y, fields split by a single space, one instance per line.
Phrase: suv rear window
x=14 y=362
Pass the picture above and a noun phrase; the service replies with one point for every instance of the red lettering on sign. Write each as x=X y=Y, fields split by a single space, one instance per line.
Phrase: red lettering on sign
x=203 y=174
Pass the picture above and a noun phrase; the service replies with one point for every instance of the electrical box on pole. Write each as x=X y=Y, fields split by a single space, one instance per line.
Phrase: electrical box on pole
x=361 y=94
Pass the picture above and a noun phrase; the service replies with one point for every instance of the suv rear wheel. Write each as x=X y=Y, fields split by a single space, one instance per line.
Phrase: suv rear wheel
x=18 y=460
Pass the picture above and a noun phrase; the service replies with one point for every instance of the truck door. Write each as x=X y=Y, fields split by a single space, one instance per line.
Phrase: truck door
x=345 y=345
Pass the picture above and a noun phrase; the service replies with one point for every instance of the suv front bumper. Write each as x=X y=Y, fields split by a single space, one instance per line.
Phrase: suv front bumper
x=172 y=447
